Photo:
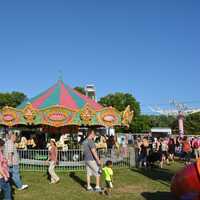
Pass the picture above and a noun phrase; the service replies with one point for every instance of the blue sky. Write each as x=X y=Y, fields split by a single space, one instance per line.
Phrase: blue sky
x=148 y=48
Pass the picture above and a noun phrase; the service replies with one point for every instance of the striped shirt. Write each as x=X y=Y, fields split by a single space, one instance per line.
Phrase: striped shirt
x=10 y=149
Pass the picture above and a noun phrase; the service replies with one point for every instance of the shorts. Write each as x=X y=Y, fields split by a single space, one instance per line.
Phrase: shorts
x=109 y=184
x=165 y=153
x=142 y=158
x=92 y=168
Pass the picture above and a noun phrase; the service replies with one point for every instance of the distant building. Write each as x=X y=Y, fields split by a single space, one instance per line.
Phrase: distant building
x=161 y=132
x=90 y=91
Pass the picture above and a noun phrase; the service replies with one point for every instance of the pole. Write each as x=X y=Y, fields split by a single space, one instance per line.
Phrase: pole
x=181 y=123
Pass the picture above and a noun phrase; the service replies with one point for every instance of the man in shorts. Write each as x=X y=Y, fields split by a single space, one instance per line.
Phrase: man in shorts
x=92 y=160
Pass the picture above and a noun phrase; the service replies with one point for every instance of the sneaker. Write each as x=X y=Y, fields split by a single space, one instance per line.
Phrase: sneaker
x=57 y=181
x=97 y=189
x=23 y=187
x=89 y=189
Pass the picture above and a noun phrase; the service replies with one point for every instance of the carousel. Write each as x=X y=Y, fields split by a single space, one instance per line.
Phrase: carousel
x=61 y=110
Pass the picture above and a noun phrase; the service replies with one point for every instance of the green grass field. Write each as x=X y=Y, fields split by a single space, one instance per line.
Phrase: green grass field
x=129 y=184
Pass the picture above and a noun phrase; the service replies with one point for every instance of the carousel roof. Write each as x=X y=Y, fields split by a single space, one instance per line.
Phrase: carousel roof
x=63 y=95
x=60 y=106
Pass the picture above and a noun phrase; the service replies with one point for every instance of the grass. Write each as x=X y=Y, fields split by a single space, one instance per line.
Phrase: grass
x=129 y=184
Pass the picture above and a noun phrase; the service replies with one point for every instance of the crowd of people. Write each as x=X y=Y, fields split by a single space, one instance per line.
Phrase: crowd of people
x=9 y=165
x=149 y=151
x=163 y=150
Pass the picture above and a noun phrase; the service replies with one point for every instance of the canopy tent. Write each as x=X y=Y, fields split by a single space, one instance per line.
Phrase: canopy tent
x=61 y=105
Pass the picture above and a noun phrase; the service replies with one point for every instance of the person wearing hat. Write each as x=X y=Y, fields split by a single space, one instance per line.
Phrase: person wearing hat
x=52 y=158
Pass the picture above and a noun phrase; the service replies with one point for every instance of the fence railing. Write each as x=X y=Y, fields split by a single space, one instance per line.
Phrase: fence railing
x=70 y=160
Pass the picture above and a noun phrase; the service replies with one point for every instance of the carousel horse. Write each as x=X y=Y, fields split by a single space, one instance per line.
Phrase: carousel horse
x=102 y=143
x=22 y=144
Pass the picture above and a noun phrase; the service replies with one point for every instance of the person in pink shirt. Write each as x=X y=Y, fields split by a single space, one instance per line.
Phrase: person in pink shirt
x=4 y=174
x=196 y=147
x=53 y=154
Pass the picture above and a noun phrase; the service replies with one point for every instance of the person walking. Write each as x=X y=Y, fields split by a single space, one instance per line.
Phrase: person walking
x=171 y=149
x=187 y=150
x=196 y=147
x=142 y=159
x=92 y=161
x=11 y=154
x=53 y=158
x=108 y=176
x=4 y=174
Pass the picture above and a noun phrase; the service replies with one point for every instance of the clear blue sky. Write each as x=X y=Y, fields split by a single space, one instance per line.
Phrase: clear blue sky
x=148 y=48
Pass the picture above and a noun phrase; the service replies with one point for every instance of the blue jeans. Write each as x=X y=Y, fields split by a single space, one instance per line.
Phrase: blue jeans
x=14 y=172
x=5 y=186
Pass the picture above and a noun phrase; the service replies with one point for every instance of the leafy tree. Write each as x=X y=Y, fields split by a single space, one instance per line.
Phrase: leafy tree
x=12 y=99
x=144 y=123
x=192 y=124
x=162 y=121
x=120 y=101
x=80 y=89
x=141 y=124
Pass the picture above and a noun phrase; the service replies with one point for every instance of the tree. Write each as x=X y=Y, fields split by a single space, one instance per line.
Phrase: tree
x=12 y=99
x=144 y=123
x=192 y=124
x=141 y=124
x=120 y=101
x=162 y=121
x=80 y=89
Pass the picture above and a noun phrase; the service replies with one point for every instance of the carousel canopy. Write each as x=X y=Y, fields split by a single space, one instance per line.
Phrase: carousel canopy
x=60 y=95
x=61 y=105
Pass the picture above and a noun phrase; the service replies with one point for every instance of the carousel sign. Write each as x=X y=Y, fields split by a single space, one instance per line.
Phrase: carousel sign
x=9 y=116
x=57 y=116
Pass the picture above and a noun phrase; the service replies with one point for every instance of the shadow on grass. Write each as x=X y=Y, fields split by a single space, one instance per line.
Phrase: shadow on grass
x=158 y=195
x=163 y=176
x=78 y=180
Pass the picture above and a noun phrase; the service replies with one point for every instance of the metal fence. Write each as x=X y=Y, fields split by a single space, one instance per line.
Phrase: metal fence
x=71 y=160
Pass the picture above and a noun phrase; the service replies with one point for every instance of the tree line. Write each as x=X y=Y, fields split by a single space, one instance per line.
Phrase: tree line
x=140 y=124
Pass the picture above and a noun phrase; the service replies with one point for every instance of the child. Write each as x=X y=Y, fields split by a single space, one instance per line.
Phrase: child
x=108 y=174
